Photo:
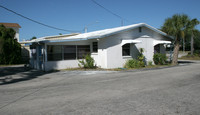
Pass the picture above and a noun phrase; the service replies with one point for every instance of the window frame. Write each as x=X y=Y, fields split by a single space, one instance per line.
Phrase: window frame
x=50 y=58
x=80 y=52
x=140 y=29
x=128 y=48
x=94 y=47
x=84 y=53
x=67 y=52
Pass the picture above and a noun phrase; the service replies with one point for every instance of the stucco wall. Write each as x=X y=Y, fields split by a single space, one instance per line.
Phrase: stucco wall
x=63 y=64
x=110 y=50
x=114 y=48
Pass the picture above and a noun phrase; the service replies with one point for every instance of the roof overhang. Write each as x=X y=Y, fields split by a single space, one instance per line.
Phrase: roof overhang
x=97 y=34
x=155 y=42
x=130 y=42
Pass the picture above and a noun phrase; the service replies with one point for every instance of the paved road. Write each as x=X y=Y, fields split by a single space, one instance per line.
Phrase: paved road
x=169 y=91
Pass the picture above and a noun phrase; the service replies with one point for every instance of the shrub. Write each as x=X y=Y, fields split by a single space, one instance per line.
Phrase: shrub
x=159 y=59
x=10 y=49
x=136 y=63
x=87 y=62
x=150 y=63
x=141 y=58
x=132 y=63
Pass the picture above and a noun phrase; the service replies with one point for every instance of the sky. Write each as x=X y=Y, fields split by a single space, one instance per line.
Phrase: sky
x=75 y=15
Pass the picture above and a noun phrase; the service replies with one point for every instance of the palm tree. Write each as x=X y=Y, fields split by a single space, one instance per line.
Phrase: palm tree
x=191 y=30
x=176 y=27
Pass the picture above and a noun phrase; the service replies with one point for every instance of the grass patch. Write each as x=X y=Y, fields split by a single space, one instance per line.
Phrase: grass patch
x=116 y=69
x=90 y=69
x=156 y=66
x=7 y=65
x=190 y=57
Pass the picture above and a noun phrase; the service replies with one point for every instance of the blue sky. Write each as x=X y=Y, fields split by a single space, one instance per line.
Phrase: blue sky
x=76 y=14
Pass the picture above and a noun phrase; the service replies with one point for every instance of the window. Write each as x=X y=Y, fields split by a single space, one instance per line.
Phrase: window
x=157 y=49
x=33 y=51
x=83 y=50
x=140 y=29
x=95 y=47
x=69 y=52
x=126 y=50
x=54 y=53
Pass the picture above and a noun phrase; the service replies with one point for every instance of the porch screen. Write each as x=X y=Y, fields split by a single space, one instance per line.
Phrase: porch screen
x=83 y=50
x=54 y=52
x=69 y=52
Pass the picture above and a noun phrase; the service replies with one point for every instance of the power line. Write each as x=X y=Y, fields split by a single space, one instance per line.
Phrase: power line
x=36 y=21
x=118 y=16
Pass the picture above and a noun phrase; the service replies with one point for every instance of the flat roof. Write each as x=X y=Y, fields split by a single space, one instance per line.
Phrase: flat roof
x=16 y=25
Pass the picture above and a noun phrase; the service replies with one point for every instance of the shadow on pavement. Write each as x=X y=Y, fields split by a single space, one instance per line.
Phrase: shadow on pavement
x=185 y=62
x=9 y=75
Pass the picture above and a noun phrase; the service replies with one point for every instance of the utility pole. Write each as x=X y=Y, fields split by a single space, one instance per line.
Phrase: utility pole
x=122 y=22
x=86 y=27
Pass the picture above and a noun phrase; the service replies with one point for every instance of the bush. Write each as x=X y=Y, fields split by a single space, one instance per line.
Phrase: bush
x=150 y=63
x=132 y=63
x=87 y=62
x=141 y=58
x=10 y=49
x=159 y=59
x=197 y=52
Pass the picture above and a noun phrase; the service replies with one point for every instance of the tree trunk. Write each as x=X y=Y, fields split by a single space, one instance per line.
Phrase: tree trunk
x=183 y=44
x=192 y=45
x=175 y=54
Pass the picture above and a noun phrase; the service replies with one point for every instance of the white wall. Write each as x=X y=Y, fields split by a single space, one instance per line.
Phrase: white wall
x=110 y=50
x=114 y=49
x=63 y=64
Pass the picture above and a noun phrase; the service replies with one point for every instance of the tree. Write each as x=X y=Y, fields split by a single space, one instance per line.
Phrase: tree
x=191 y=30
x=10 y=49
x=176 y=27
x=33 y=38
x=197 y=40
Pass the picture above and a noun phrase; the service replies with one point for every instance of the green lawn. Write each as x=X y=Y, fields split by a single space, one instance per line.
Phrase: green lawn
x=189 y=57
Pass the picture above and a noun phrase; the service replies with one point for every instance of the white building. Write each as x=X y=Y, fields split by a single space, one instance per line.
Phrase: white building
x=14 y=26
x=110 y=48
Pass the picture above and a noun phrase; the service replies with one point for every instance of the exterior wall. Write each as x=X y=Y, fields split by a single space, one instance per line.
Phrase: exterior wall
x=63 y=64
x=114 y=48
x=109 y=53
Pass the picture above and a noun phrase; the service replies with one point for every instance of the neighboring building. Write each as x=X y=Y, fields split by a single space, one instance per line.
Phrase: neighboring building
x=25 y=51
x=14 y=26
x=110 y=48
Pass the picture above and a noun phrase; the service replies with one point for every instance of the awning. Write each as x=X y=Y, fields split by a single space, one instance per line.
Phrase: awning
x=161 y=42
x=130 y=41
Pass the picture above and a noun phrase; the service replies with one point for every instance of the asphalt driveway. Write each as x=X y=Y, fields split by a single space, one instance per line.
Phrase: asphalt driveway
x=169 y=91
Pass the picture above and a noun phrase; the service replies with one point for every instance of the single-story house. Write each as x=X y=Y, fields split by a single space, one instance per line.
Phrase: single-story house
x=110 y=48
x=14 y=26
